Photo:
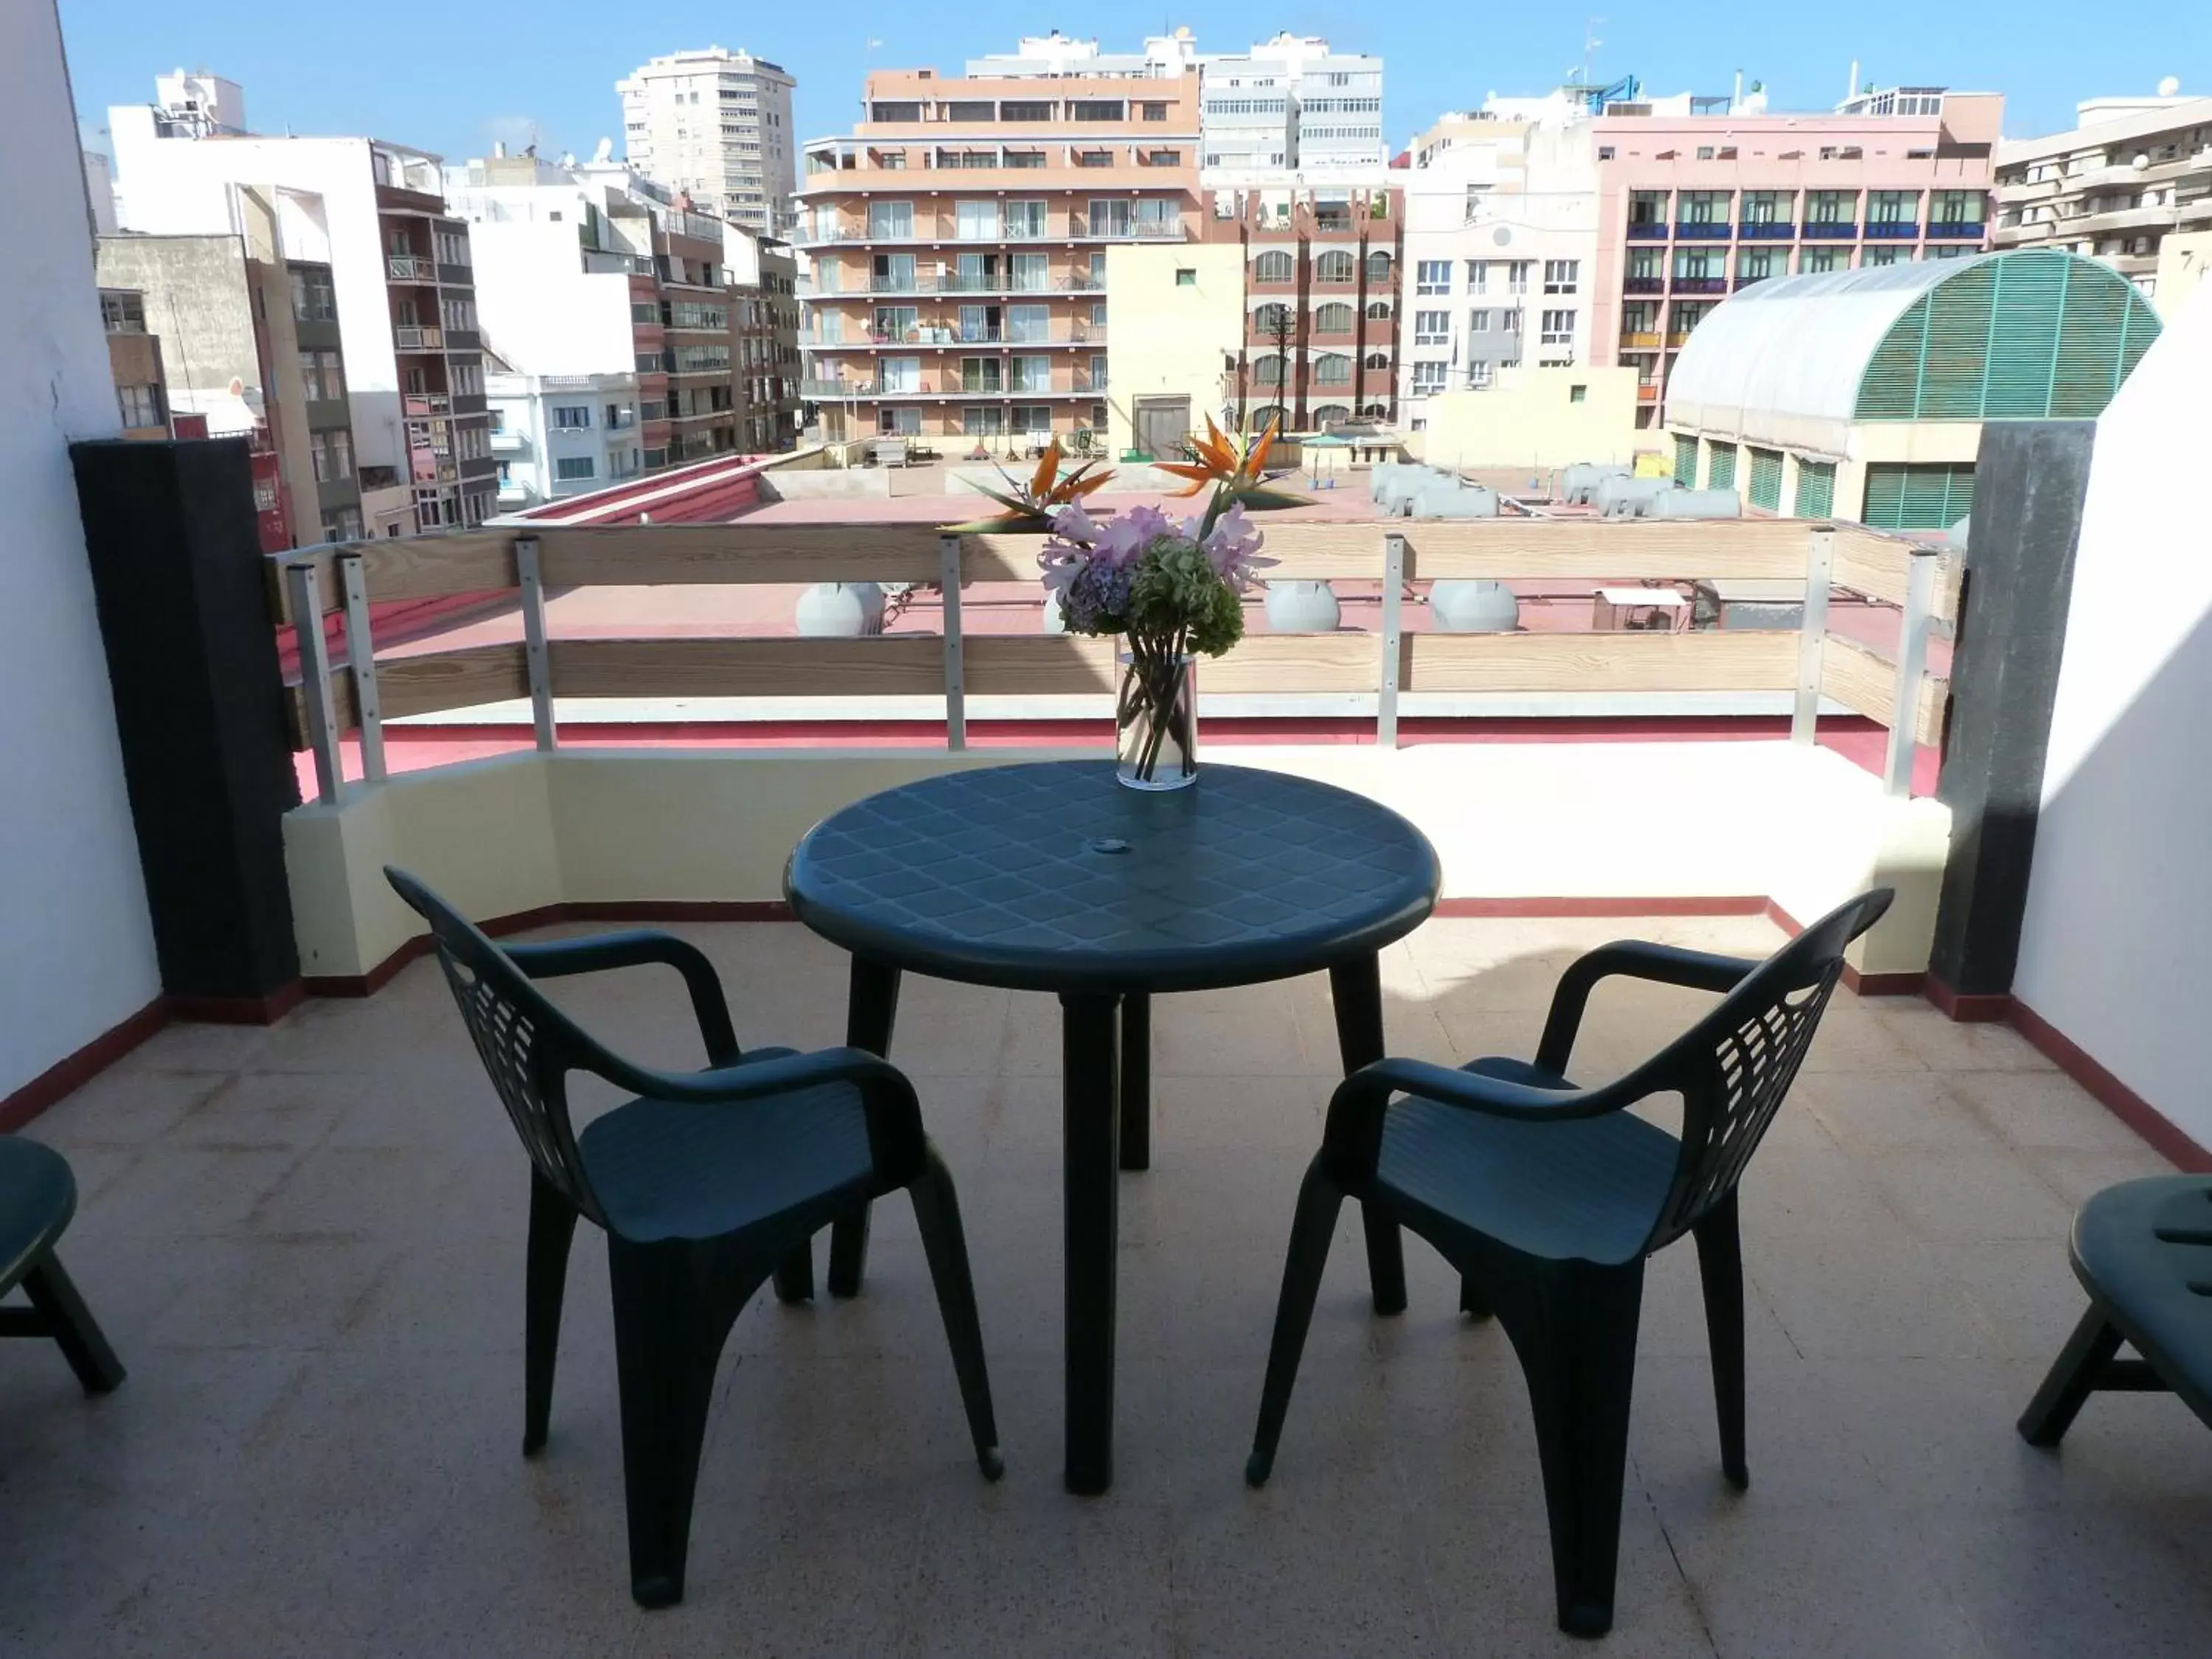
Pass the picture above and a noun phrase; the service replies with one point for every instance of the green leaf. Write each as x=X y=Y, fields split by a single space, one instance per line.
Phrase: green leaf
x=1268 y=500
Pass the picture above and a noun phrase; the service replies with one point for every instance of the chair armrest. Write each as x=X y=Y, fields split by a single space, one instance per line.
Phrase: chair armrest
x=1352 y=1139
x=558 y=957
x=894 y=1113
x=1698 y=970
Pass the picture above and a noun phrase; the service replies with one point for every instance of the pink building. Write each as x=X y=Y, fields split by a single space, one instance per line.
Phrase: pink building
x=1698 y=198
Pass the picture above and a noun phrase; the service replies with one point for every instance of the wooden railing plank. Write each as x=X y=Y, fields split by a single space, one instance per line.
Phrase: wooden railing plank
x=1709 y=660
x=1865 y=682
x=696 y=554
x=1598 y=550
x=890 y=666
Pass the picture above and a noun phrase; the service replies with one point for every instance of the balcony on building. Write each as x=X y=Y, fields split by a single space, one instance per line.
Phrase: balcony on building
x=1829 y=230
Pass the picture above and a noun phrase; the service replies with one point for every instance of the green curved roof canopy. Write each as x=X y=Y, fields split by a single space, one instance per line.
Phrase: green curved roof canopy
x=2034 y=335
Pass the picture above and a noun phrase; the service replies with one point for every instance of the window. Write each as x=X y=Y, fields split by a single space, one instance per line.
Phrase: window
x=1272 y=319
x=1021 y=158
x=1334 y=318
x=1378 y=311
x=648 y=362
x=1479 y=374
x=1273 y=266
x=1186 y=276
x=981 y=374
x=324 y=377
x=1478 y=322
x=1333 y=266
x=1096 y=109
x=459 y=315
x=313 y=300
x=1428 y=378
x=1957 y=207
x=1577 y=394
x=123 y=311
x=899 y=374
x=1516 y=276
x=982 y=422
x=1378 y=269
x=574 y=466
x=1824 y=258
x=1268 y=371
x=899 y=110
x=1029 y=374
x=1153 y=111
x=1432 y=276
x=1431 y=327
x=141 y=405
x=452 y=247
x=469 y=442
x=1767 y=207
x=1886 y=256
x=1375 y=360
x=572 y=418
x=1509 y=322
x=1830 y=207
x=1332 y=368
x=1162 y=158
x=1647 y=207
x=1755 y=265
x=891 y=219
x=1559 y=328
x=467 y=379
x=332 y=455
x=1025 y=220
x=1560 y=276
x=1012 y=109
x=969 y=110
x=1892 y=207
x=976 y=221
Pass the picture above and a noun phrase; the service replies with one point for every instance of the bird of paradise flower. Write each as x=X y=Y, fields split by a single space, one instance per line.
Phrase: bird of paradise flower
x=1235 y=467
x=1029 y=505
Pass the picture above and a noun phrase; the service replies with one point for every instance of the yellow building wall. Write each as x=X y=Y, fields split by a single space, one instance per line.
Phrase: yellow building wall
x=1165 y=338
x=1533 y=417
x=2182 y=262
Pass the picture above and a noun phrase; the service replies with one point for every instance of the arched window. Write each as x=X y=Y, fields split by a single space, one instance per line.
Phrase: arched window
x=1334 y=266
x=1273 y=266
x=1268 y=371
x=1332 y=368
x=1331 y=415
x=1267 y=415
x=1334 y=318
x=1377 y=360
x=1378 y=311
x=1271 y=318
x=1376 y=412
x=1378 y=267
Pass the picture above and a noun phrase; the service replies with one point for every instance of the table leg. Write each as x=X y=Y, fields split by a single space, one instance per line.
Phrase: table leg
x=870 y=1010
x=1091 y=1126
x=1356 y=988
x=1136 y=1082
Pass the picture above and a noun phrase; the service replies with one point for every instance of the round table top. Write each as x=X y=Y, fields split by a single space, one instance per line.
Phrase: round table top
x=1053 y=877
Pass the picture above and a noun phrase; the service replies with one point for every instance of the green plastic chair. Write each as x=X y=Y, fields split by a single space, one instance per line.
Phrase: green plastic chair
x=1547 y=1198
x=38 y=1197
x=703 y=1184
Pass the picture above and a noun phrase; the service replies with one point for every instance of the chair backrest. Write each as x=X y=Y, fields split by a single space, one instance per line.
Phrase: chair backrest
x=526 y=1044
x=1734 y=1066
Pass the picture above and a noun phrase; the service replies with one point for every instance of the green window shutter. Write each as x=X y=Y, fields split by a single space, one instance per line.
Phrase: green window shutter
x=1766 y=479
x=1931 y=496
x=1816 y=489
x=1685 y=460
x=1722 y=475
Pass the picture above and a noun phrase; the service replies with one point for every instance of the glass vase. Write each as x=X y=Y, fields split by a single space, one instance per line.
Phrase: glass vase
x=1156 y=720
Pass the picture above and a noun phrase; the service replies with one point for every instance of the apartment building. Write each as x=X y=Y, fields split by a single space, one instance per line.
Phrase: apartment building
x=560 y=434
x=1290 y=110
x=2130 y=174
x=591 y=276
x=401 y=290
x=1700 y=196
x=1500 y=257
x=249 y=356
x=134 y=364
x=958 y=240
x=716 y=125
x=1322 y=293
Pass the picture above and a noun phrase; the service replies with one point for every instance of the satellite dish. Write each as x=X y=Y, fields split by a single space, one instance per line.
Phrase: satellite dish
x=604 y=150
x=2167 y=88
x=1502 y=236
x=2141 y=160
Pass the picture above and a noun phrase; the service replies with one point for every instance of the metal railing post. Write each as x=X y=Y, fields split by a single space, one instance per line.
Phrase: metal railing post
x=536 y=660
x=1812 y=638
x=305 y=596
x=361 y=662
x=1911 y=666
x=1393 y=601
x=955 y=670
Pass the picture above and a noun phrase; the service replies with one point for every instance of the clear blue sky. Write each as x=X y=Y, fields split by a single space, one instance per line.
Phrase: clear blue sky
x=452 y=77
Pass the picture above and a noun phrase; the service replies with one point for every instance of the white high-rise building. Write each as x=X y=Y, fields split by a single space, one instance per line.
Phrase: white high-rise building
x=716 y=125
x=1292 y=110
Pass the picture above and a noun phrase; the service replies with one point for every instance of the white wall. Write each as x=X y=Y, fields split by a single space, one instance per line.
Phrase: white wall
x=78 y=956
x=2116 y=951
x=541 y=311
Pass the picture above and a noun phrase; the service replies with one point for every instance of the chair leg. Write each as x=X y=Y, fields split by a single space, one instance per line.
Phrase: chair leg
x=848 y=1253
x=1472 y=1302
x=871 y=1014
x=552 y=1229
x=1574 y=1327
x=794 y=1275
x=1356 y=989
x=71 y=1325
x=937 y=1212
x=1720 y=1265
x=2072 y=1378
x=671 y=1303
x=1319 y=1200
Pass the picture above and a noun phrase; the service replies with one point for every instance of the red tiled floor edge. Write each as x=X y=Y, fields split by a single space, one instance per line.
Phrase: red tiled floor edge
x=2165 y=1138
x=71 y=1073
x=1859 y=984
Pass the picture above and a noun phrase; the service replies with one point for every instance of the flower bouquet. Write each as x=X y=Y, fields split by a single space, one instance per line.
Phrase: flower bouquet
x=1172 y=591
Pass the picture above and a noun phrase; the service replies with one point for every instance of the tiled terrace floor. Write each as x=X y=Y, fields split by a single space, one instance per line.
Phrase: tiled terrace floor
x=306 y=1242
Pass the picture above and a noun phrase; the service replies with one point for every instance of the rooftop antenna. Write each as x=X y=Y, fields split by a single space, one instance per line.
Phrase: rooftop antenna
x=1851 y=88
x=1590 y=44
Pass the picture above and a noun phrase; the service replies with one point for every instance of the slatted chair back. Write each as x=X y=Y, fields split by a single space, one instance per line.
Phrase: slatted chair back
x=527 y=1045
x=1733 y=1068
